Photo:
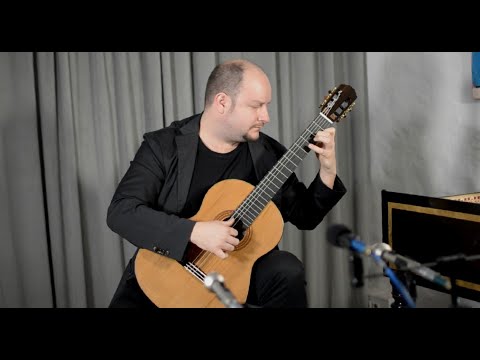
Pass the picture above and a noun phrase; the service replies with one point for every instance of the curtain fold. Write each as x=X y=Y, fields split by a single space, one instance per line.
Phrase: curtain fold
x=25 y=279
x=93 y=109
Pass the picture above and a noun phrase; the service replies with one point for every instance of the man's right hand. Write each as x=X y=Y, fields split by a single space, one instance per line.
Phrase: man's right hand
x=215 y=236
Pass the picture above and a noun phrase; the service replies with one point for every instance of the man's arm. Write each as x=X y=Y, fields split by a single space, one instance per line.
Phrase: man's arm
x=132 y=212
x=306 y=207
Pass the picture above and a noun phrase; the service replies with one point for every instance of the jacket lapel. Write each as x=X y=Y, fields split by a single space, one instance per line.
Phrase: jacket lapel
x=187 y=143
x=262 y=161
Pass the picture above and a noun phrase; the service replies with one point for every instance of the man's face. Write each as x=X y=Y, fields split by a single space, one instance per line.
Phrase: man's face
x=250 y=112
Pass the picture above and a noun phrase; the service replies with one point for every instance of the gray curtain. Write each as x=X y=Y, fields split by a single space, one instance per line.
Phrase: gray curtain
x=70 y=125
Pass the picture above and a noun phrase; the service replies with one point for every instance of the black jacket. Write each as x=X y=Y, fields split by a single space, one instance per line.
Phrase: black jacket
x=155 y=187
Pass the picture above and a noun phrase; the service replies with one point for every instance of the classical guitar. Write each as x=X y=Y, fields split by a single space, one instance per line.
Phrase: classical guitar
x=169 y=283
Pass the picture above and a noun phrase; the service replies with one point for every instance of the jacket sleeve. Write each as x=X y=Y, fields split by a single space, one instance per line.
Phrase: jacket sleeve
x=306 y=207
x=133 y=212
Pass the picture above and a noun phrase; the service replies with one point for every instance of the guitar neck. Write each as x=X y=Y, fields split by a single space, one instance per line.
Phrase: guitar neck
x=271 y=183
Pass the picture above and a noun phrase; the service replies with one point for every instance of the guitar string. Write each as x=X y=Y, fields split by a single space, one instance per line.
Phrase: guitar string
x=272 y=175
x=257 y=193
x=204 y=255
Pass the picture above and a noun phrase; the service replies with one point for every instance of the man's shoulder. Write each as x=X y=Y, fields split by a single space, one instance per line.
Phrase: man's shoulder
x=265 y=138
x=172 y=130
x=272 y=144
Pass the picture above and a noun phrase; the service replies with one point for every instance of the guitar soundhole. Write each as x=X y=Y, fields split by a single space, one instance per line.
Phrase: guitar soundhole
x=244 y=234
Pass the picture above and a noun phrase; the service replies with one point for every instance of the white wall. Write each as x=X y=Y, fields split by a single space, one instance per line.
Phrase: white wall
x=424 y=127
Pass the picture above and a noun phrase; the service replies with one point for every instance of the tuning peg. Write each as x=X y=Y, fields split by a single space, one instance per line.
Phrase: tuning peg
x=347 y=110
x=327 y=97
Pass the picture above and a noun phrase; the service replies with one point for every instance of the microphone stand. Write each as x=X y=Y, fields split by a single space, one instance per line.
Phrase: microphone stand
x=446 y=262
x=403 y=291
x=356 y=268
x=409 y=281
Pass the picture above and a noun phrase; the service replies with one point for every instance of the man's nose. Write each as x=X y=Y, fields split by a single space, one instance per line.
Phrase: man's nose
x=264 y=116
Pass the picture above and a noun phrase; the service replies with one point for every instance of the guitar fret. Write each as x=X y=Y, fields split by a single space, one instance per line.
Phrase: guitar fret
x=258 y=207
x=260 y=195
x=291 y=163
x=301 y=148
x=254 y=214
x=272 y=183
x=250 y=219
x=279 y=172
x=305 y=140
x=297 y=156
x=275 y=184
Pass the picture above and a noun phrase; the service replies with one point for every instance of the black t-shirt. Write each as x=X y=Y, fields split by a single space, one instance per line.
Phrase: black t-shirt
x=212 y=167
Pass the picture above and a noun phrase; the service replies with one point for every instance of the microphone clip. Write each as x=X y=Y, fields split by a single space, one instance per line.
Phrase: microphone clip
x=356 y=268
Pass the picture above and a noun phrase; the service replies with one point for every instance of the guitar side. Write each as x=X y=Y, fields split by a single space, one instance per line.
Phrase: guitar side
x=168 y=284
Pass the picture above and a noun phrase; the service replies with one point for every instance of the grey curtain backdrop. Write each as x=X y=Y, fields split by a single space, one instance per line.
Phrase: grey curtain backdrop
x=71 y=122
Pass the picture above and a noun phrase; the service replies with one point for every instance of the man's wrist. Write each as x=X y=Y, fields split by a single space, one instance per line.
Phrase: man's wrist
x=328 y=179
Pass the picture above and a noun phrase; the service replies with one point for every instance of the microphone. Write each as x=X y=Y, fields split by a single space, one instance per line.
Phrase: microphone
x=341 y=236
x=215 y=283
x=385 y=252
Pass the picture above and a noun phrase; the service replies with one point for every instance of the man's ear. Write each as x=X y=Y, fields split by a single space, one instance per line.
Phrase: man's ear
x=222 y=102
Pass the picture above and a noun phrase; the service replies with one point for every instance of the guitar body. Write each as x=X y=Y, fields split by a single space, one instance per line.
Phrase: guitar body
x=167 y=282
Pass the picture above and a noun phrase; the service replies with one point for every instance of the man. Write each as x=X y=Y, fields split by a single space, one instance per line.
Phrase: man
x=175 y=166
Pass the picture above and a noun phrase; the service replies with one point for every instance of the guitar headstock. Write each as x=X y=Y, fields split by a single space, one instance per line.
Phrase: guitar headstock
x=339 y=102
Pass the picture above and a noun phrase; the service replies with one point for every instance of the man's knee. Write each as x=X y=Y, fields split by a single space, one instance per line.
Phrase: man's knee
x=289 y=266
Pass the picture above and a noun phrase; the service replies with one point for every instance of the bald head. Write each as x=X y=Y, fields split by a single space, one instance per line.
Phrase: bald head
x=227 y=77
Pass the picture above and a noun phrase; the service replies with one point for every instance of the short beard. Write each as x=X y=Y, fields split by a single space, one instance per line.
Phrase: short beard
x=247 y=138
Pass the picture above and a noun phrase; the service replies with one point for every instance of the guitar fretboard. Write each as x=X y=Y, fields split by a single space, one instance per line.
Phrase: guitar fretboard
x=271 y=183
